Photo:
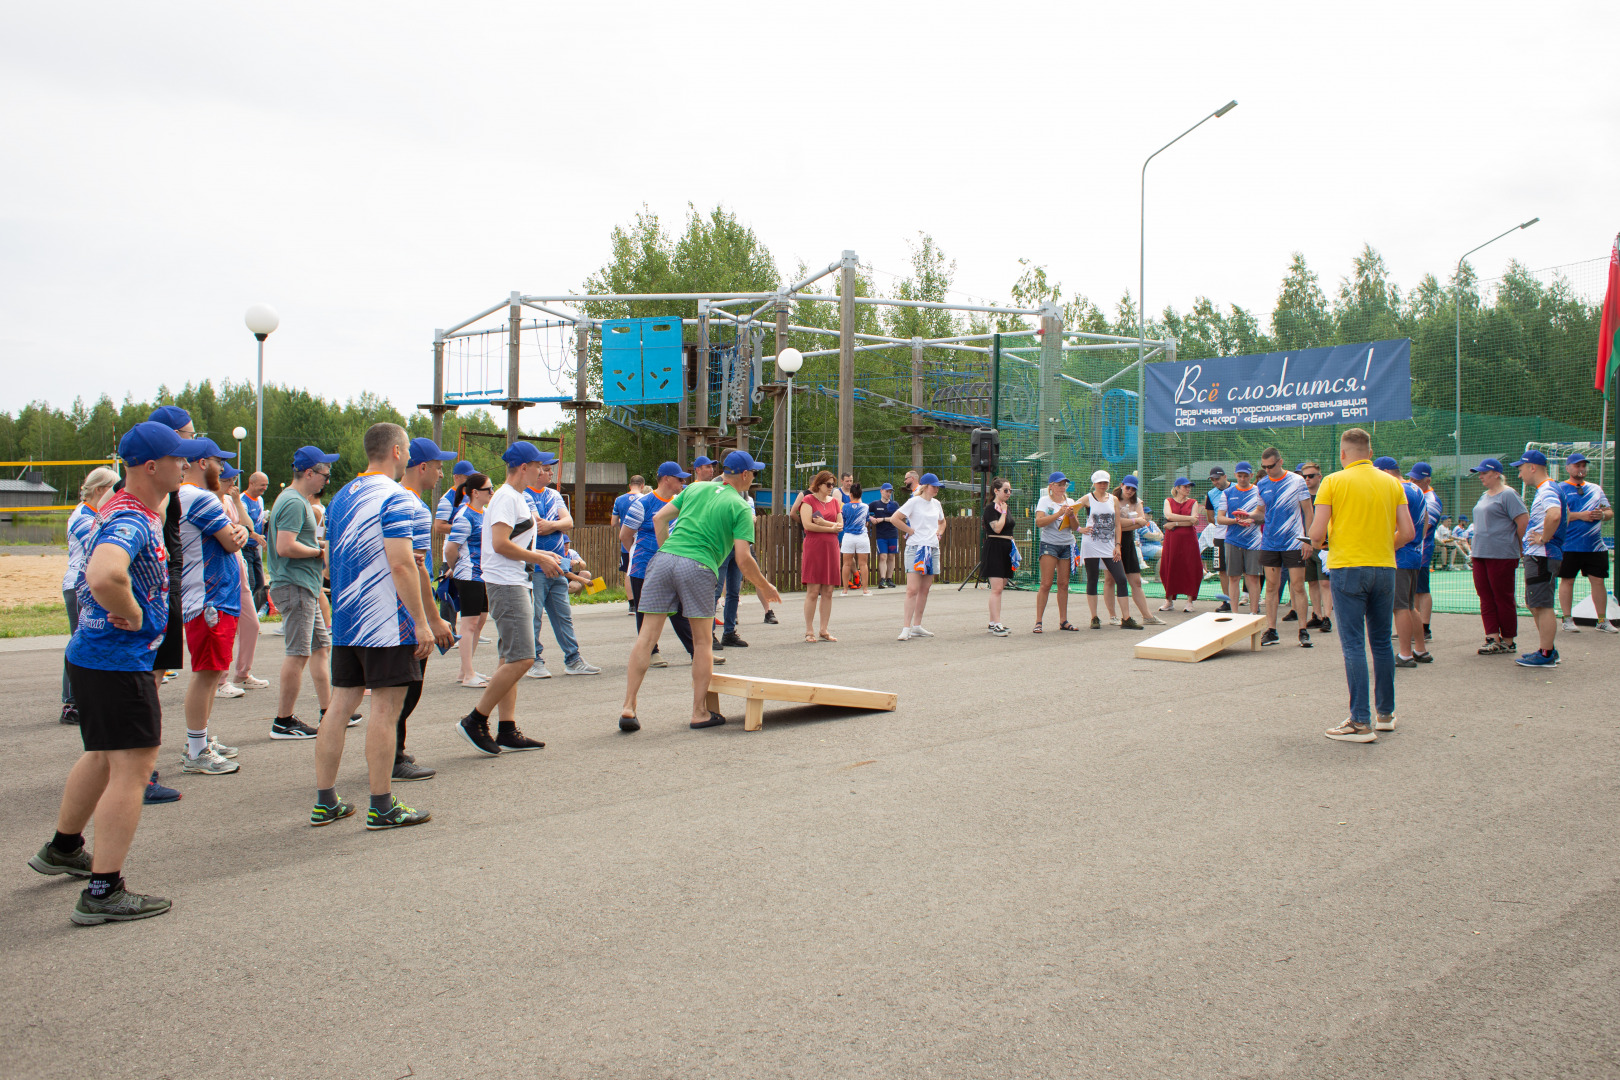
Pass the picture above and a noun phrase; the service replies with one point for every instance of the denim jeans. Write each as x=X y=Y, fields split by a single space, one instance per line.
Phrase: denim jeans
x=1364 y=603
x=730 y=579
x=551 y=600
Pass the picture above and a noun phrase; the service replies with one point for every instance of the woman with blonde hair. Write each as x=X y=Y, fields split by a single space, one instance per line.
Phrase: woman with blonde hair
x=1181 y=567
x=97 y=488
x=1132 y=516
x=821 y=512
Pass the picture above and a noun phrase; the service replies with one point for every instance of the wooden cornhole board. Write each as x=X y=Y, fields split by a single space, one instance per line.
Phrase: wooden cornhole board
x=1202 y=637
x=758 y=691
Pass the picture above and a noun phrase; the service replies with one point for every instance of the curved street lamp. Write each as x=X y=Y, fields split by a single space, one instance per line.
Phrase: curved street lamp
x=261 y=320
x=789 y=361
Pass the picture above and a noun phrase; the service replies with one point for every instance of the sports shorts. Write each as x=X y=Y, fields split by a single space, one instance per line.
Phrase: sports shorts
x=511 y=609
x=1242 y=560
x=889 y=545
x=855 y=544
x=374 y=667
x=1287 y=560
x=303 y=627
x=171 y=651
x=1405 y=588
x=921 y=559
x=211 y=646
x=118 y=710
x=472 y=596
x=676 y=585
x=1584 y=564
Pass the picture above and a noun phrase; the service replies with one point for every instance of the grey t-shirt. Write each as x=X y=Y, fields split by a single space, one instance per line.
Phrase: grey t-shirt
x=1494 y=536
x=292 y=513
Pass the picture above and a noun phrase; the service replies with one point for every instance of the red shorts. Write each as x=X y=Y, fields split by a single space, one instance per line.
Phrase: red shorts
x=211 y=645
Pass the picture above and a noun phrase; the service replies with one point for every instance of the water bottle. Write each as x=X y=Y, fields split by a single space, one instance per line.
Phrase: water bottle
x=211 y=615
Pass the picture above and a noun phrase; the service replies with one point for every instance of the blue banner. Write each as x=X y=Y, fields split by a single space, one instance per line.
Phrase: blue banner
x=1342 y=384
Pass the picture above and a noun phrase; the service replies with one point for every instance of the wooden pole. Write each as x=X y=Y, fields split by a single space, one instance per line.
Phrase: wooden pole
x=438 y=387
x=779 y=419
x=846 y=365
x=1051 y=391
x=582 y=343
x=514 y=354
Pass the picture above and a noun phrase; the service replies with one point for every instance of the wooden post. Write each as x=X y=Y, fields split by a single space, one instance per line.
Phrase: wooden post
x=438 y=387
x=514 y=350
x=846 y=364
x=582 y=344
x=779 y=450
x=1051 y=390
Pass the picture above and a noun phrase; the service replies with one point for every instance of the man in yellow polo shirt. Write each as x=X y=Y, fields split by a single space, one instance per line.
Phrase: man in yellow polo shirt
x=1362 y=513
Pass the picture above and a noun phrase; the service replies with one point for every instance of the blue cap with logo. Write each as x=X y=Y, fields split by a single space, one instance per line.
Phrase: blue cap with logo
x=1386 y=464
x=424 y=449
x=523 y=452
x=739 y=461
x=307 y=457
x=150 y=440
x=1532 y=457
x=672 y=468
x=928 y=479
x=464 y=468
x=229 y=472
x=1421 y=471
x=1490 y=464
x=1244 y=467
x=172 y=415
x=204 y=447
x=886 y=487
x=1056 y=478
x=1575 y=459
x=702 y=461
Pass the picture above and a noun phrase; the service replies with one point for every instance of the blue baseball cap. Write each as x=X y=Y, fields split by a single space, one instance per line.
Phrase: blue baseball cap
x=229 y=472
x=307 y=457
x=425 y=449
x=463 y=468
x=739 y=461
x=672 y=468
x=702 y=461
x=204 y=447
x=150 y=440
x=1244 y=466
x=1386 y=463
x=1055 y=478
x=886 y=487
x=1181 y=481
x=928 y=479
x=1575 y=459
x=1490 y=464
x=1131 y=481
x=1532 y=457
x=1421 y=471
x=521 y=453
x=172 y=415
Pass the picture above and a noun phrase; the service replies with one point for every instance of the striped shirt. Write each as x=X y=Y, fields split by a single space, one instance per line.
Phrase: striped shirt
x=366 y=608
x=125 y=522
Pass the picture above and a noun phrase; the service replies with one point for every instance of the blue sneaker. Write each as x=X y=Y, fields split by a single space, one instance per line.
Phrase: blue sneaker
x=1537 y=659
x=159 y=793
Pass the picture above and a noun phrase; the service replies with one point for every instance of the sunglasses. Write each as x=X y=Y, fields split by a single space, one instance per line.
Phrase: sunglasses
x=1311 y=475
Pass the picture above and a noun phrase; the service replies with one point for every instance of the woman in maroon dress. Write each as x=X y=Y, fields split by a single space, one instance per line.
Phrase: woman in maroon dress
x=1181 y=569
x=822 y=514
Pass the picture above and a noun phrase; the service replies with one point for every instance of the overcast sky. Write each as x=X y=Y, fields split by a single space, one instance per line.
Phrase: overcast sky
x=376 y=171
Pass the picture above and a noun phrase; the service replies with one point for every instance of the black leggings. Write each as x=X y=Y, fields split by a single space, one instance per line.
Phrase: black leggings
x=413 y=694
x=1115 y=570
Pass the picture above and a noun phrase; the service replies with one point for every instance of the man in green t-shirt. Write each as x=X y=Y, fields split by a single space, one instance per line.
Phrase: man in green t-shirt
x=297 y=564
x=696 y=531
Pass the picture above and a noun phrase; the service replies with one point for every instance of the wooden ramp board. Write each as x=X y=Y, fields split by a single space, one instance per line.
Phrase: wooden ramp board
x=1202 y=637
x=758 y=691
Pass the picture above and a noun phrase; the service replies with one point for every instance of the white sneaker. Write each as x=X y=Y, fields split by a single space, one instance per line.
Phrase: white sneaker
x=1569 y=627
x=252 y=682
x=998 y=630
x=844 y=593
x=276 y=630
x=227 y=689
x=580 y=667
x=1604 y=626
x=538 y=671
x=905 y=634
x=917 y=631
x=1113 y=620
x=866 y=592
x=483 y=641
x=207 y=762
x=220 y=748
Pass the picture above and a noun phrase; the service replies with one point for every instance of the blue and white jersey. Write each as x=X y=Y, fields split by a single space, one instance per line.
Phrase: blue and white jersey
x=1578 y=536
x=255 y=513
x=1284 y=526
x=1242 y=498
x=97 y=643
x=1215 y=503
x=548 y=505
x=1548 y=495
x=80 y=524
x=620 y=506
x=1433 y=508
x=467 y=532
x=1410 y=556
x=639 y=517
x=421 y=529
x=446 y=507
x=210 y=576
x=855 y=515
x=366 y=609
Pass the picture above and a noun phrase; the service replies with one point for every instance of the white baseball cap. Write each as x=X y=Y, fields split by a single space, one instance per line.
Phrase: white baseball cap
x=1100 y=477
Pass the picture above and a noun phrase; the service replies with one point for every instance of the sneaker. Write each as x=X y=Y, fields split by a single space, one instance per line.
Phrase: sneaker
x=732 y=640
x=396 y=816
x=325 y=815
x=715 y=646
x=866 y=592
x=227 y=689
x=1113 y=620
x=353 y=720
x=1154 y=620
x=1314 y=623
x=158 y=793
x=207 y=763
x=1327 y=625
x=50 y=861
x=998 y=630
x=905 y=634
x=580 y=667
x=410 y=770
x=1129 y=623
x=1423 y=657
x=1224 y=609
x=249 y=682
x=1428 y=635
x=70 y=714
x=658 y=661
x=120 y=905
x=220 y=748
x=1405 y=661
x=483 y=641
x=1292 y=616
x=1568 y=626
x=1096 y=623
x=1384 y=723
x=1537 y=659
x=629 y=723
x=917 y=631
x=770 y=618
x=1305 y=639
x=291 y=728
x=170 y=676
x=1270 y=638
x=717 y=659
x=1604 y=626
x=1491 y=647
x=516 y=740
x=477 y=735
x=1350 y=731
x=538 y=671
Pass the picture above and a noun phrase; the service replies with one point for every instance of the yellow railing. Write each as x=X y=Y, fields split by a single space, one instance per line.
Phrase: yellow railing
x=33 y=464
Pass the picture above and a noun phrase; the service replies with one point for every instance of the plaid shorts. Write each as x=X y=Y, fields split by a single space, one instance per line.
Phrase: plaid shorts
x=676 y=585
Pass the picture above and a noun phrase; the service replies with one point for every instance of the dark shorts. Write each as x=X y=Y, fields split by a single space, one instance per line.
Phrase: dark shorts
x=1405 y=588
x=118 y=710
x=1127 y=553
x=1287 y=560
x=1539 y=575
x=624 y=560
x=472 y=597
x=1421 y=587
x=1313 y=567
x=372 y=668
x=1584 y=564
x=1220 y=556
x=171 y=652
x=886 y=545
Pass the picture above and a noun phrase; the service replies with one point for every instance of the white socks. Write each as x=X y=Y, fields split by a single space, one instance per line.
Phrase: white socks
x=196 y=742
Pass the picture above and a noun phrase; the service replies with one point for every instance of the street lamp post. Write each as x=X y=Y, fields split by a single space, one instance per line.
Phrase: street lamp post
x=1141 y=288
x=262 y=321
x=239 y=433
x=1456 y=435
x=788 y=362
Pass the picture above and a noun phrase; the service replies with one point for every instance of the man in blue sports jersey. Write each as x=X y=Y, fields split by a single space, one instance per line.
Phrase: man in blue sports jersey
x=638 y=488
x=1584 y=549
x=637 y=533
x=1433 y=509
x=1283 y=511
x=123 y=596
x=885 y=537
x=553 y=523
x=380 y=632
x=423 y=470
x=1409 y=651
x=1543 y=555
x=1243 y=536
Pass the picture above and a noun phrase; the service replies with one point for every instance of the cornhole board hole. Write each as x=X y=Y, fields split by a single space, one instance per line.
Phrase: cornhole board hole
x=1197 y=639
x=758 y=691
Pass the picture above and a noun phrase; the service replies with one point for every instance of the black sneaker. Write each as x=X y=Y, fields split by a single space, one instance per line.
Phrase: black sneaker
x=120 y=905
x=321 y=814
x=1269 y=638
x=290 y=728
x=410 y=770
x=1428 y=635
x=1405 y=661
x=1305 y=639
x=732 y=640
x=1225 y=608
x=715 y=646
x=51 y=861
x=397 y=816
x=70 y=714
x=1314 y=623
x=1327 y=625
x=1423 y=657
x=516 y=740
x=770 y=618
x=1292 y=616
x=477 y=735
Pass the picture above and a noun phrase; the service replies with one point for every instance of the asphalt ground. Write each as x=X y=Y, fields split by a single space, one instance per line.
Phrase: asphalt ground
x=1052 y=861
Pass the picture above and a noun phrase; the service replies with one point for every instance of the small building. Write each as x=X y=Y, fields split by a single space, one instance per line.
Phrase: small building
x=18 y=494
x=604 y=482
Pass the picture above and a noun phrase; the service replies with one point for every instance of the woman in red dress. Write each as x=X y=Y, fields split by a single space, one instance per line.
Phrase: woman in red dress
x=1181 y=569
x=822 y=514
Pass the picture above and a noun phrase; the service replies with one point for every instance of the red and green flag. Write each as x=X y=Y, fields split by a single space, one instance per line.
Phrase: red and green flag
x=1608 y=357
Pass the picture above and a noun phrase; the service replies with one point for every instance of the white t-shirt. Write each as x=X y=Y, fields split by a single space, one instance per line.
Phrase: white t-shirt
x=924 y=516
x=1051 y=534
x=508 y=506
x=1103 y=517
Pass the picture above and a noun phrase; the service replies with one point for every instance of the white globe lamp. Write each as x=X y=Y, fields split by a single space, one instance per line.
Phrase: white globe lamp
x=261 y=320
